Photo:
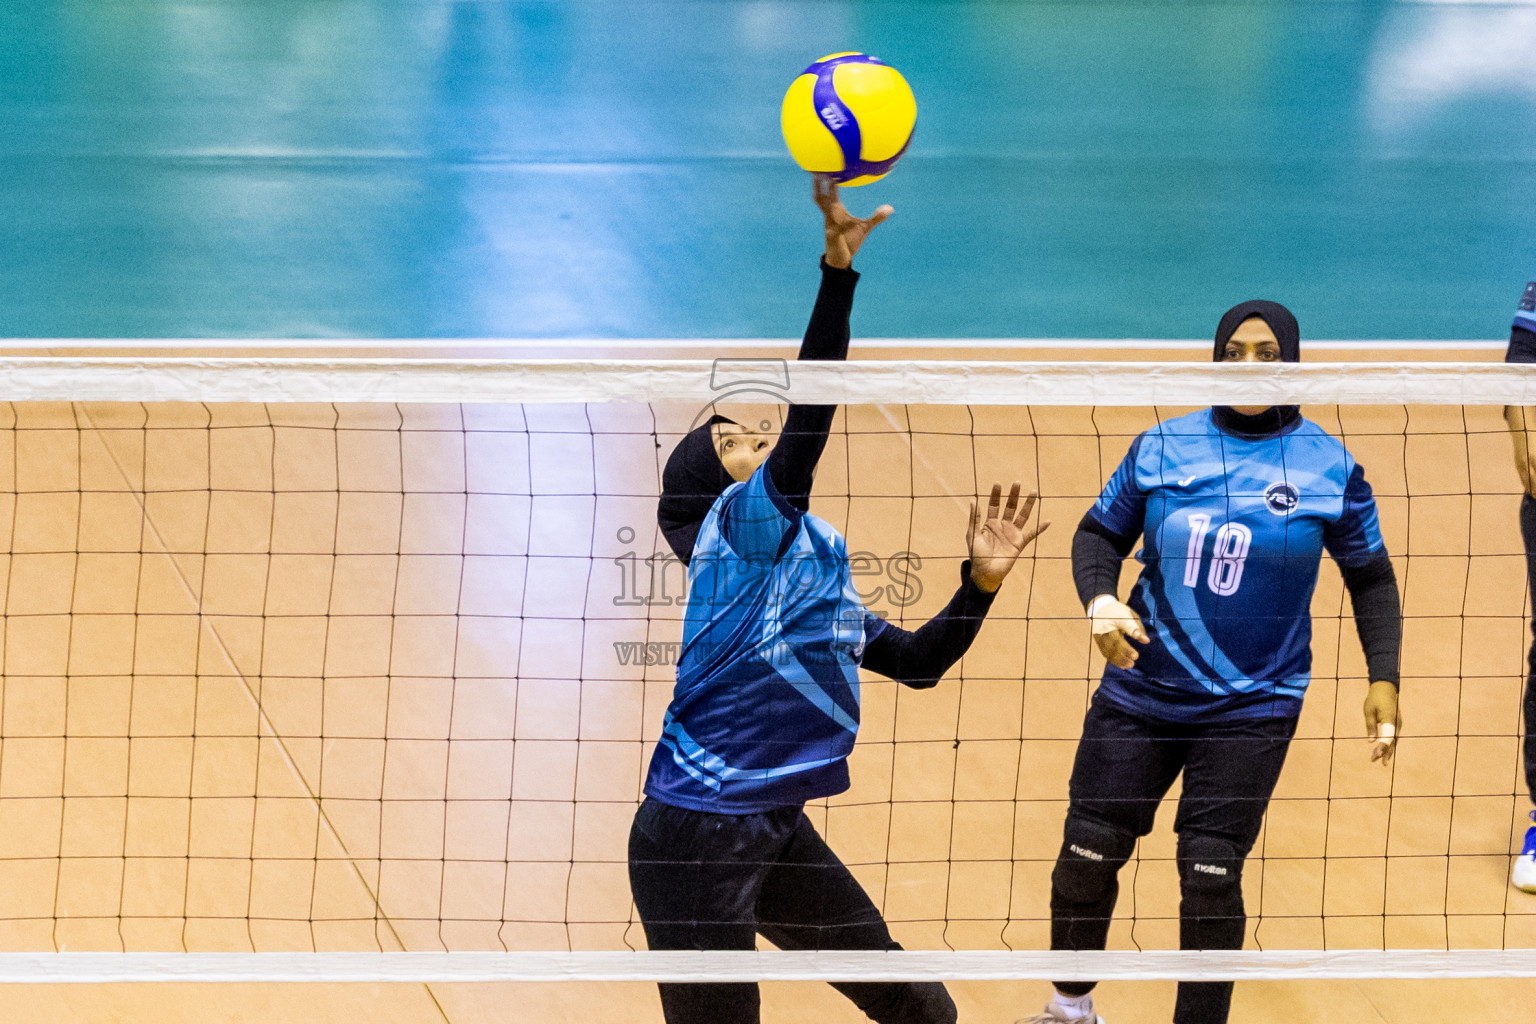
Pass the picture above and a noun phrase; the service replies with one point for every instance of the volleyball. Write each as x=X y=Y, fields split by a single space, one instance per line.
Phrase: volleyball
x=849 y=116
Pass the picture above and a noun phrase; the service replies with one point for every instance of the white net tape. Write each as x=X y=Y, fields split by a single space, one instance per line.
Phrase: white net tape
x=916 y=382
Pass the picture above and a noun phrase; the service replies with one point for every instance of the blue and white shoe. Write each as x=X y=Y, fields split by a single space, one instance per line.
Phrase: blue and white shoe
x=1523 y=877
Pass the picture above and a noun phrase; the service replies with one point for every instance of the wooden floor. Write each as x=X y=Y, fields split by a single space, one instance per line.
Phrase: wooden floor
x=346 y=678
x=1339 y=1002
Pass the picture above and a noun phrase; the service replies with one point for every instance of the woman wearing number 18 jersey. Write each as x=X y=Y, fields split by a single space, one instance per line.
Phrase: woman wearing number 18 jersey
x=1210 y=657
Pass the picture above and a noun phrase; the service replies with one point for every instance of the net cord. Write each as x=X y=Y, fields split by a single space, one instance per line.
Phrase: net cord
x=774 y=965
x=915 y=381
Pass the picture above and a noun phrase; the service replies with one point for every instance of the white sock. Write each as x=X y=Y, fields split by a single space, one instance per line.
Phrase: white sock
x=1075 y=1006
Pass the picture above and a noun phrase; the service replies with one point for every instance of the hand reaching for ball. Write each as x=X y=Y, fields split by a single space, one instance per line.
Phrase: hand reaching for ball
x=845 y=232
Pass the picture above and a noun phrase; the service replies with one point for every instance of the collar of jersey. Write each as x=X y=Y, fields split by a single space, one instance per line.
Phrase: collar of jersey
x=1272 y=422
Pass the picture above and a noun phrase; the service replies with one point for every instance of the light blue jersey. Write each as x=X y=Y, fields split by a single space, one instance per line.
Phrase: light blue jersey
x=1233 y=528
x=767 y=700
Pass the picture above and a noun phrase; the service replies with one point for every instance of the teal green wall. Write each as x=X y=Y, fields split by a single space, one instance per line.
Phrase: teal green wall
x=613 y=167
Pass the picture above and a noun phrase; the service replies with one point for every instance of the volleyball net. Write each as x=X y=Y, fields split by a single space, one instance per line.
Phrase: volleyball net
x=307 y=661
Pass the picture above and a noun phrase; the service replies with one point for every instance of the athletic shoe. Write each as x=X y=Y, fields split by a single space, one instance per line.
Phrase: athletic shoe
x=1053 y=1015
x=1524 y=874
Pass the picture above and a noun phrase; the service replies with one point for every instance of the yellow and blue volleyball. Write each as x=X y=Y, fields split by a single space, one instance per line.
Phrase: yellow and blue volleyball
x=849 y=116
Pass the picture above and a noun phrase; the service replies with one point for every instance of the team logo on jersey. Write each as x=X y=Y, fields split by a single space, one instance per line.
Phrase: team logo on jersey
x=1281 y=498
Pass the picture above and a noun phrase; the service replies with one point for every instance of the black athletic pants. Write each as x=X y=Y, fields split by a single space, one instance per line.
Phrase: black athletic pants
x=1124 y=766
x=716 y=881
x=1528 y=534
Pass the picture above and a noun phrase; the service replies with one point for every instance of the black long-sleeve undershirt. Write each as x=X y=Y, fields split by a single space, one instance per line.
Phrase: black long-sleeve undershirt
x=919 y=658
x=792 y=463
x=1378 y=615
x=1096 y=557
x=1097 y=554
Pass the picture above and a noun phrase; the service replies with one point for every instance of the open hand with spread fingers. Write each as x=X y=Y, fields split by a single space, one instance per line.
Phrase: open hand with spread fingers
x=998 y=534
x=845 y=232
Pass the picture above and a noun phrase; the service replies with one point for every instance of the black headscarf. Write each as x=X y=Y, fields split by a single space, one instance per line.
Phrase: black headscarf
x=1288 y=333
x=693 y=479
x=1279 y=319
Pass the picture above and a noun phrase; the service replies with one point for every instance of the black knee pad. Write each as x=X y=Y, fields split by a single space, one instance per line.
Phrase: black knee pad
x=1210 y=876
x=1092 y=853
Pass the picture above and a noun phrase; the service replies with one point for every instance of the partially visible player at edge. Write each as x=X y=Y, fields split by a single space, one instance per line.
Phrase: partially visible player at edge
x=1522 y=425
x=1209 y=659
x=766 y=705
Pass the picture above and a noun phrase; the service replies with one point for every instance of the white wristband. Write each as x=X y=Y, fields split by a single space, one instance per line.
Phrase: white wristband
x=1093 y=606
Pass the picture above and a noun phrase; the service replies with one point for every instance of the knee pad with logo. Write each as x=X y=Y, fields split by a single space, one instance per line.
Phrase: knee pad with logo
x=1092 y=853
x=1210 y=876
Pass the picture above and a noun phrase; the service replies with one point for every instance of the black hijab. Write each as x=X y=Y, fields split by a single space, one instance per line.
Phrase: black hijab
x=1279 y=319
x=1288 y=333
x=693 y=478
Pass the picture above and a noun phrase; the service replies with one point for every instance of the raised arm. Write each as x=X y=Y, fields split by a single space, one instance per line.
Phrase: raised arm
x=794 y=457
x=996 y=537
x=793 y=460
x=919 y=658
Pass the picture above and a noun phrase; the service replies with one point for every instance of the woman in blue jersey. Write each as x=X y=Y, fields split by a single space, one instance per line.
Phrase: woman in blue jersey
x=1522 y=427
x=1210 y=657
x=766 y=705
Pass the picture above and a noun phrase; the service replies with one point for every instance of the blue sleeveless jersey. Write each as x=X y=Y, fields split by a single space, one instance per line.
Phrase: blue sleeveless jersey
x=767 y=700
x=1233 y=529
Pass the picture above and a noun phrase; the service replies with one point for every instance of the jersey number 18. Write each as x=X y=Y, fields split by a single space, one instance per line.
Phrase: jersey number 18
x=1228 y=554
